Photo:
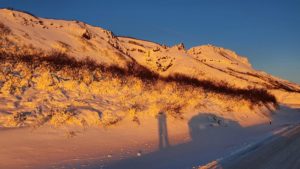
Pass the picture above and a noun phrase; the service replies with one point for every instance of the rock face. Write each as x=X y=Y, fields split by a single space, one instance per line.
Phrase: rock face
x=25 y=33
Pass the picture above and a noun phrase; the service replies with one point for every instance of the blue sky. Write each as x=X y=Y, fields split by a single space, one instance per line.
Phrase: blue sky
x=266 y=31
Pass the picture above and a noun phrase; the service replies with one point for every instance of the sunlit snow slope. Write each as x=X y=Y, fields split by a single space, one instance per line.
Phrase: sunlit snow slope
x=81 y=40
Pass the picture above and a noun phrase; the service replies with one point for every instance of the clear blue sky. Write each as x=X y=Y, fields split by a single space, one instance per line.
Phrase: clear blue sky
x=266 y=31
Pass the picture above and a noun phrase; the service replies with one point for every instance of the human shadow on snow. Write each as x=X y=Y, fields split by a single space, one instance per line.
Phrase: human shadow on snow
x=211 y=136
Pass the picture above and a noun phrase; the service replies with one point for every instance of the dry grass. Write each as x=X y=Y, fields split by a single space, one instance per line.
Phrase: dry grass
x=58 y=61
x=135 y=43
x=129 y=91
x=252 y=94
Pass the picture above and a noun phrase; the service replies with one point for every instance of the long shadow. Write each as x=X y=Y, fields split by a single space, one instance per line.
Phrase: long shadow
x=162 y=131
x=205 y=131
x=211 y=137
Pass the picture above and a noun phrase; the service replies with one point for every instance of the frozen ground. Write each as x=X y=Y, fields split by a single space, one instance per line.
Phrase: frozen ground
x=281 y=152
x=157 y=143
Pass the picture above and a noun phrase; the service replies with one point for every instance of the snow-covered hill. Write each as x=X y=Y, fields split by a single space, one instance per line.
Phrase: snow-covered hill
x=224 y=76
x=28 y=32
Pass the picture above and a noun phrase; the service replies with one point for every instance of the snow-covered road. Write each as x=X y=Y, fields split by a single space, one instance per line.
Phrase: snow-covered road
x=283 y=152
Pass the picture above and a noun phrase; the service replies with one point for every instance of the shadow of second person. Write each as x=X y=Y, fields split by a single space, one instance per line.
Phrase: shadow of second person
x=209 y=134
x=209 y=125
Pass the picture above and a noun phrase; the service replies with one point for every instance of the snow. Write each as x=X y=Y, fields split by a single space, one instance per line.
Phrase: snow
x=203 y=62
x=133 y=146
x=218 y=126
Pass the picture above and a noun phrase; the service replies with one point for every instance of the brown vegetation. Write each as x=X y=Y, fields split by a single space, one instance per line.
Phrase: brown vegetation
x=58 y=61
x=252 y=94
x=273 y=84
x=135 y=43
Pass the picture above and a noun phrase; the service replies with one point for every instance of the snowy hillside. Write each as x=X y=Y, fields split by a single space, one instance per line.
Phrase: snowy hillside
x=69 y=67
x=82 y=40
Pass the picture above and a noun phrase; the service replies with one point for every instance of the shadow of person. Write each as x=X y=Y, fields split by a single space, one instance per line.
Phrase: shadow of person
x=206 y=131
x=210 y=125
x=211 y=136
x=162 y=131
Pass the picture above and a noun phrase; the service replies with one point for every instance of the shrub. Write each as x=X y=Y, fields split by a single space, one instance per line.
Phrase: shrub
x=134 y=89
x=58 y=61
x=135 y=43
x=254 y=95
